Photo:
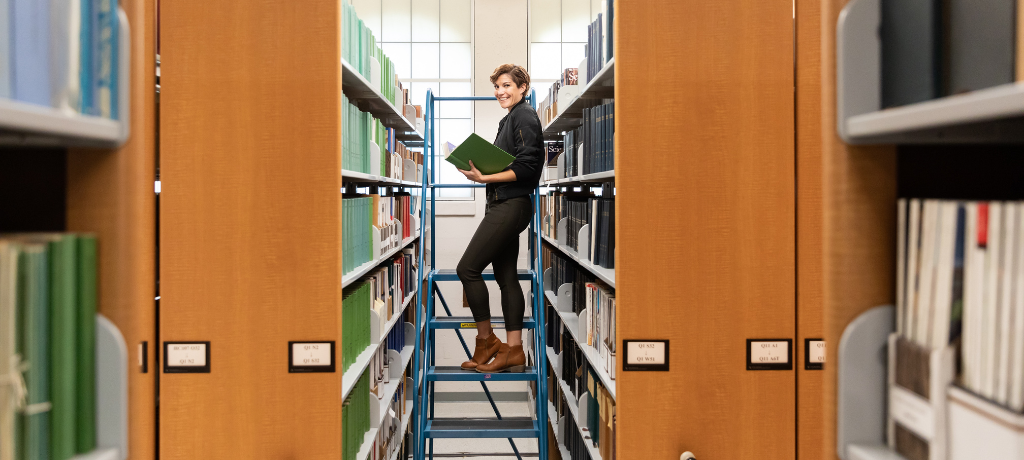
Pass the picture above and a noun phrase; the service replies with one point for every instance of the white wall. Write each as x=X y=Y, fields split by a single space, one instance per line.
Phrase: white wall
x=500 y=36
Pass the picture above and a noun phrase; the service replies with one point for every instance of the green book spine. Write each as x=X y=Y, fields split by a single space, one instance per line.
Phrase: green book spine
x=33 y=307
x=85 y=436
x=63 y=324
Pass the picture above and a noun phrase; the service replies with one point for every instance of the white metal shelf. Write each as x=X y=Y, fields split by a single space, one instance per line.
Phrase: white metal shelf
x=602 y=86
x=405 y=425
x=369 y=266
x=351 y=376
x=355 y=176
x=1002 y=102
x=99 y=454
x=572 y=323
x=603 y=176
x=368 y=99
x=574 y=409
x=554 y=426
x=607 y=275
x=33 y=124
x=389 y=392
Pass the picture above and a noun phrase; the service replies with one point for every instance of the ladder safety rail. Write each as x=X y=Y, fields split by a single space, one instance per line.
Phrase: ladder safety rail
x=425 y=371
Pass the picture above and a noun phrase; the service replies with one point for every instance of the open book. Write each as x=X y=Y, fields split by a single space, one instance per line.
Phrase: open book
x=487 y=157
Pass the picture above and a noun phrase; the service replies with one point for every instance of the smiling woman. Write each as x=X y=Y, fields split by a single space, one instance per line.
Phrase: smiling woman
x=508 y=213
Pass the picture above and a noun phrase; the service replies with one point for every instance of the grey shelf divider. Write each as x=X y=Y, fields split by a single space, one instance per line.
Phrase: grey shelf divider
x=863 y=386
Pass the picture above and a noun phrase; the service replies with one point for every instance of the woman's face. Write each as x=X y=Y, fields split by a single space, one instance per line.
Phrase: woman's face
x=507 y=92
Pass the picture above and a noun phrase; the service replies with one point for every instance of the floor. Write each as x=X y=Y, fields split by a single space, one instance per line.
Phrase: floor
x=488 y=449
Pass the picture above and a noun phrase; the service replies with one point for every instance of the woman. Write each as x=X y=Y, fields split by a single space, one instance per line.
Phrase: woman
x=509 y=210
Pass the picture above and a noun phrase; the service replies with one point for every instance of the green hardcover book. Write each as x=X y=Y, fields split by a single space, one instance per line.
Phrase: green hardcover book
x=34 y=347
x=487 y=157
x=85 y=422
x=8 y=344
x=63 y=325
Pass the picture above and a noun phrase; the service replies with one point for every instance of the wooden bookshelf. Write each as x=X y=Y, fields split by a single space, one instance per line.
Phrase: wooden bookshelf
x=251 y=225
x=724 y=268
x=809 y=224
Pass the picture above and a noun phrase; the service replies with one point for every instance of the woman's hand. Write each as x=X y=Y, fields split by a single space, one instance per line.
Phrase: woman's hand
x=474 y=174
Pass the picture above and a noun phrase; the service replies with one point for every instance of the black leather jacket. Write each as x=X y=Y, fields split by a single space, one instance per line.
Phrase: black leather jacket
x=519 y=134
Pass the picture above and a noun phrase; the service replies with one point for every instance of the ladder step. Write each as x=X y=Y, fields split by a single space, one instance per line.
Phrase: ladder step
x=467 y=322
x=457 y=374
x=510 y=427
x=448 y=274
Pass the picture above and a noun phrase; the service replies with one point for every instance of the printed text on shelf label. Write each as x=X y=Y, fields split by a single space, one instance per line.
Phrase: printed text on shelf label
x=186 y=354
x=311 y=354
x=646 y=352
x=775 y=352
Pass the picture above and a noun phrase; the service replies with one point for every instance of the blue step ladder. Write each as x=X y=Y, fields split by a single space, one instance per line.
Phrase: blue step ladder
x=425 y=371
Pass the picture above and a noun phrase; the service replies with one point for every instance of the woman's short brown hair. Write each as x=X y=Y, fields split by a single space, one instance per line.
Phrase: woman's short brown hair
x=516 y=72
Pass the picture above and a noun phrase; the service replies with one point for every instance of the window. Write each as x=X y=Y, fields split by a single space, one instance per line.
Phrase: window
x=558 y=35
x=430 y=42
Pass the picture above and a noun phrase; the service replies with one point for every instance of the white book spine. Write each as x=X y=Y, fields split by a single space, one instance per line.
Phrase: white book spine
x=1016 y=400
x=8 y=296
x=1005 y=315
x=974 y=280
x=913 y=275
x=901 y=265
x=944 y=275
x=991 y=301
x=926 y=283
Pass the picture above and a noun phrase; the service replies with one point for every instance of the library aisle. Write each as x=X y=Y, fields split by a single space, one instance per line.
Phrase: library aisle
x=747 y=230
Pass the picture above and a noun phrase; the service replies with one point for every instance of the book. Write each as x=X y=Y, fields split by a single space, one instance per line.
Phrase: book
x=63 y=252
x=85 y=345
x=5 y=51
x=65 y=53
x=34 y=347
x=487 y=157
x=979 y=44
x=30 y=51
x=9 y=253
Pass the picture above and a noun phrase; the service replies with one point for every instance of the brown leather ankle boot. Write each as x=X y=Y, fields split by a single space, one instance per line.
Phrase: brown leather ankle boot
x=485 y=350
x=511 y=359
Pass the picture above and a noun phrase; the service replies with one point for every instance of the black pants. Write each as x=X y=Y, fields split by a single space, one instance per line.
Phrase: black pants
x=496 y=242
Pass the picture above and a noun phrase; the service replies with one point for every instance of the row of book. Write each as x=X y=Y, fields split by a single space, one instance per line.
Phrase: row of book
x=383 y=292
x=359 y=48
x=390 y=437
x=598 y=426
x=948 y=47
x=61 y=54
x=393 y=217
x=580 y=209
x=596 y=327
x=599 y=47
x=565 y=89
x=370 y=147
x=960 y=281
x=590 y=148
x=355 y=418
x=48 y=302
x=379 y=367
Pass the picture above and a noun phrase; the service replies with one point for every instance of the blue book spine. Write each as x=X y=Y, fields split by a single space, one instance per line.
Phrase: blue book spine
x=5 y=50
x=104 y=57
x=31 y=51
x=86 y=65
